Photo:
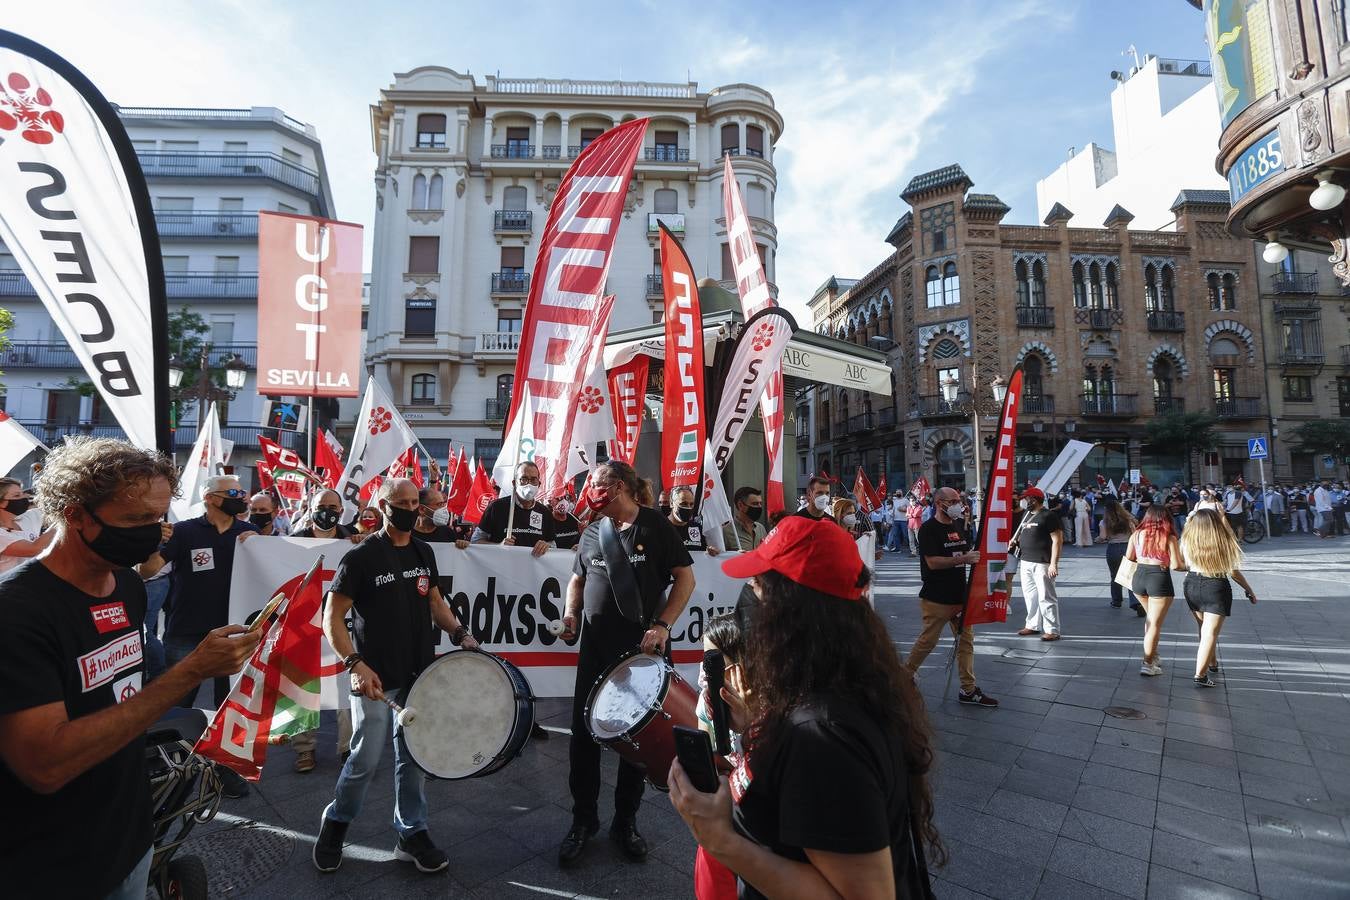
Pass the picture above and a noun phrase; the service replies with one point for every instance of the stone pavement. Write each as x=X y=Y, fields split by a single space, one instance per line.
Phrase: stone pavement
x=1242 y=790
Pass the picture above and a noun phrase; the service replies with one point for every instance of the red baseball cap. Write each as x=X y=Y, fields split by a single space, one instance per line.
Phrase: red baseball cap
x=813 y=552
x=1034 y=492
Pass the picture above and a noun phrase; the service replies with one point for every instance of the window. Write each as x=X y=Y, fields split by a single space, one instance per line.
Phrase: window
x=731 y=139
x=231 y=204
x=843 y=407
x=222 y=328
x=667 y=146
x=1090 y=384
x=1023 y=283
x=227 y=265
x=951 y=466
x=175 y=264
x=508 y=321
x=434 y=193
x=588 y=135
x=1095 y=286
x=419 y=192
x=173 y=204
x=1038 y=283
x=1110 y=284
x=423 y=390
x=63 y=407
x=1079 y=286
x=1165 y=295
x=419 y=317
x=951 y=285
x=728 y=265
x=938 y=240
x=1214 y=289
x=1223 y=383
x=1162 y=381
x=291 y=156
x=656 y=261
x=514 y=198
x=756 y=203
x=1229 y=294
x=1032 y=370
x=487 y=448
x=1298 y=388
x=933 y=283
x=754 y=140
x=763 y=258
x=513 y=261
x=666 y=200
x=504 y=386
x=1150 y=287
x=424 y=255
x=1343 y=395
x=431 y=130
x=518 y=142
x=286 y=208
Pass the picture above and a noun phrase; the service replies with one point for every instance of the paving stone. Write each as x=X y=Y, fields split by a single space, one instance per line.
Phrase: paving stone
x=1055 y=788
x=1055 y=886
x=1026 y=810
x=1229 y=863
x=1050 y=763
x=1100 y=867
x=1107 y=832
x=1208 y=737
x=987 y=872
x=1213 y=776
x=1141 y=784
x=1127 y=758
x=1169 y=884
x=1119 y=737
x=1289 y=751
x=1199 y=826
x=1116 y=804
x=1078 y=748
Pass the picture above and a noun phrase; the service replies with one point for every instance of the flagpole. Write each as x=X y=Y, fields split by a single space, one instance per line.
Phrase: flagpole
x=515 y=460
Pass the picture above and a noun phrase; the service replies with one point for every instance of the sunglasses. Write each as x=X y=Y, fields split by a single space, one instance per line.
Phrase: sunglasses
x=232 y=492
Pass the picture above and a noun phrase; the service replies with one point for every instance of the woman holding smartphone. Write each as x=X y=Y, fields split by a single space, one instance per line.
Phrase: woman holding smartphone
x=832 y=787
x=1213 y=556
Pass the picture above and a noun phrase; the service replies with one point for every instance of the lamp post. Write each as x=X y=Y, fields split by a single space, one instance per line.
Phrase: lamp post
x=963 y=401
x=236 y=373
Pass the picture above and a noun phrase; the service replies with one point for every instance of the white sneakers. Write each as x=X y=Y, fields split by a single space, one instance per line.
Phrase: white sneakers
x=1149 y=668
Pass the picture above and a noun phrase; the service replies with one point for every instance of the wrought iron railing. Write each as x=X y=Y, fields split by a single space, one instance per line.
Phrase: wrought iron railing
x=1238 y=408
x=1097 y=318
x=513 y=220
x=158 y=164
x=1108 y=404
x=512 y=151
x=214 y=225
x=665 y=153
x=510 y=282
x=1294 y=283
x=1035 y=317
x=1166 y=320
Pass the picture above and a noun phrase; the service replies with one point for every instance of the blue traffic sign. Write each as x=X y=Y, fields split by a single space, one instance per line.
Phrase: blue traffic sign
x=1256 y=448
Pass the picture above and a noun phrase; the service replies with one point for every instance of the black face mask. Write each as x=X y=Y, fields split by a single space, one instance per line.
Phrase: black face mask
x=665 y=509
x=262 y=520
x=18 y=507
x=401 y=519
x=123 y=545
x=232 y=506
x=684 y=513
x=325 y=519
x=753 y=513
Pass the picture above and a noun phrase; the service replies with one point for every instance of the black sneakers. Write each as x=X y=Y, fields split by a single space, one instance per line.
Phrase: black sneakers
x=976 y=698
x=328 y=848
x=575 y=842
x=625 y=835
x=418 y=849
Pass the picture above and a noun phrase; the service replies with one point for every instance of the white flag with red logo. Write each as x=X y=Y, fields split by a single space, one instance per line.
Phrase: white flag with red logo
x=381 y=437
x=519 y=443
x=593 y=424
x=15 y=443
x=206 y=459
x=753 y=287
x=755 y=361
x=562 y=313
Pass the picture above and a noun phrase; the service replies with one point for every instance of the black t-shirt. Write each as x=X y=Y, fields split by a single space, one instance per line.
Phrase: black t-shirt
x=691 y=535
x=805 y=513
x=60 y=645
x=937 y=539
x=439 y=534
x=339 y=531
x=390 y=588
x=832 y=781
x=1035 y=537
x=567 y=533
x=199 y=585
x=530 y=526
x=653 y=548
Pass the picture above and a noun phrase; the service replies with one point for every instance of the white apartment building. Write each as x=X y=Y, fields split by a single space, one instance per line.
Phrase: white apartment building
x=465 y=175
x=1165 y=120
x=209 y=172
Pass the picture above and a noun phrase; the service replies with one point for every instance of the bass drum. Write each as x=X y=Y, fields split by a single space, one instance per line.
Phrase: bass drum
x=633 y=709
x=474 y=712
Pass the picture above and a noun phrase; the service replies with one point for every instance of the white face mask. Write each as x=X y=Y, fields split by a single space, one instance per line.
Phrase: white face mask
x=850 y=520
x=1024 y=503
x=956 y=511
x=441 y=516
x=822 y=502
x=528 y=492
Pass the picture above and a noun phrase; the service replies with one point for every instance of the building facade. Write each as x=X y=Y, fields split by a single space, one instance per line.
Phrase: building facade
x=465 y=175
x=209 y=172
x=1112 y=326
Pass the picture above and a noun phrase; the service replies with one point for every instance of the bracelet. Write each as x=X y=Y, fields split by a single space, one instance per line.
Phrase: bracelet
x=662 y=624
x=350 y=662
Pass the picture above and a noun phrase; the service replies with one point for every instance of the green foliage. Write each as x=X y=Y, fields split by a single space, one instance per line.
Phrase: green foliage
x=1187 y=432
x=6 y=325
x=1324 y=436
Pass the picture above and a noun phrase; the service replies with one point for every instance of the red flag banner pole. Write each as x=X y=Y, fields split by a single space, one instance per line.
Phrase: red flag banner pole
x=989 y=587
x=683 y=421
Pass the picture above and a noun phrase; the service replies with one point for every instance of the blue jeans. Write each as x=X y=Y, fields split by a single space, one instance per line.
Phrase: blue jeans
x=133 y=887
x=895 y=537
x=371 y=720
x=156 y=592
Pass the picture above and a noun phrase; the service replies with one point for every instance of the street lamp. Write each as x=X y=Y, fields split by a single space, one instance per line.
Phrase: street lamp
x=960 y=400
x=236 y=373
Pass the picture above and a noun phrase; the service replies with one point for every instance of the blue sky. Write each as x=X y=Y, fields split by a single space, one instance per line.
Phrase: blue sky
x=872 y=92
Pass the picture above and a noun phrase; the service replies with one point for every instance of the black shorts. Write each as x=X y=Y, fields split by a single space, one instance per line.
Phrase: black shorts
x=1209 y=595
x=1152 y=581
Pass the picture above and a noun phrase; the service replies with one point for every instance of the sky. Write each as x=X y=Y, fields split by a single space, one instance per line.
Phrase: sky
x=872 y=93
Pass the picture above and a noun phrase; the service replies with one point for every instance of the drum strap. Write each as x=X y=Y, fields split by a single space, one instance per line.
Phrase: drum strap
x=622 y=578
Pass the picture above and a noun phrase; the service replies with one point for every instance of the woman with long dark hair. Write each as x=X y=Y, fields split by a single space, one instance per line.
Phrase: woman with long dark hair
x=831 y=797
x=1154 y=548
x=1117 y=526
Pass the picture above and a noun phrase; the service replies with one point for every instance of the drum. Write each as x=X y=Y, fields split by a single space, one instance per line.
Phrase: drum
x=633 y=709
x=474 y=712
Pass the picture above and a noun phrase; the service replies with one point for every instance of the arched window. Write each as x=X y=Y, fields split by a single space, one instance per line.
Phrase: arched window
x=423 y=390
x=754 y=140
x=1038 y=283
x=1150 y=287
x=419 y=192
x=934 y=286
x=1223 y=356
x=514 y=197
x=885 y=325
x=1079 y=286
x=1165 y=297
x=731 y=139
x=1112 y=301
x=666 y=200
x=1229 y=296
x=1089 y=385
x=843 y=407
x=1162 y=384
x=1023 y=283
x=946 y=349
x=1095 y=286
x=951 y=466
x=1106 y=383
x=951 y=285
x=1212 y=286
x=434 y=193
x=1032 y=369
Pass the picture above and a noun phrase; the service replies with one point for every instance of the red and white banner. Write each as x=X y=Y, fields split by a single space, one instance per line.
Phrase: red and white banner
x=381 y=437
x=328 y=458
x=753 y=287
x=922 y=488
x=593 y=424
x=684 y=425
x=309 y=306
x=409 y=466
x=207 y=458
x=758 y=352
x=480 y=496
x=627 y=397
x=561 y=314
x=990 y=582
x=863 y=492
x=883 y=492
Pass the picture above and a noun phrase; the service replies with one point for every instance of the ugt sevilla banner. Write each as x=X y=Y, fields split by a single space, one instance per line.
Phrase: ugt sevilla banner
x=75 y=213
x=990 y=584
x=627 y=393
x=684 y=425
x=561 y=314
x=309 y=306
x=758 y=352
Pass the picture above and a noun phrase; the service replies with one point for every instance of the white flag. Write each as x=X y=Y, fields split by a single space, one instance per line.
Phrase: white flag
x=381 y=437
x=206 y=459
x=1111 y=488
x=715 y=510
x=15 y=443
x=518 y=445
x=594 y=422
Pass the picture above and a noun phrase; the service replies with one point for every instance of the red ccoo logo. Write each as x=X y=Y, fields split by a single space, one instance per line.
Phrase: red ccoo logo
x=24 y=104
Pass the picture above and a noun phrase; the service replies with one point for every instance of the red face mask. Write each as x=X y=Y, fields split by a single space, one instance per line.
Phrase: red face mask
x=596 y=501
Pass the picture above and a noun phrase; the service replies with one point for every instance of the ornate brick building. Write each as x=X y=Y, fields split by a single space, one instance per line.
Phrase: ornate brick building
x=1112 y=327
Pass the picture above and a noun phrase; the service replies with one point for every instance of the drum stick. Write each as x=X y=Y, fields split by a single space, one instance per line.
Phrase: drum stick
x=406 y=714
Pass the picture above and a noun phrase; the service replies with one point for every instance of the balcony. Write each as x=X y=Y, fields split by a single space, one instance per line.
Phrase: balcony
x=1098 y=319
x=803 y=428
x=512 y=151
x=261 y=166
x=936 y=406
x=655 y=286
x=1122 y=406
x=174 y=226
x=1238 y=408
x=496 y=408
x=886 y=416
x=513 y=221
x=551 y=151
x=498 y=344
x=665 y=153
x=1035 y=317
x=510 y=283
x=13 y=283
x=1168 y=406
x=1301 y=307
x=1043 y=404
x=674 y=222
x=38 y=355
x=862 y=422
x=211 y=285
x=1293 y=283
x=1166 y=320
x=1302 y=356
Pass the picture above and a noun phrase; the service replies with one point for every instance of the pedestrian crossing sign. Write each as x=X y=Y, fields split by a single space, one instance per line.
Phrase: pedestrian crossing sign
x=1256 y=448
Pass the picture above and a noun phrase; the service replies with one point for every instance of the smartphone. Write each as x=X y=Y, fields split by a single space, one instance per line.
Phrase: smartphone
x=694 y=751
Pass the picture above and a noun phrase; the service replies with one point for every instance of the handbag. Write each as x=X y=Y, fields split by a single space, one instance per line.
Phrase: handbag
x=1125 y=574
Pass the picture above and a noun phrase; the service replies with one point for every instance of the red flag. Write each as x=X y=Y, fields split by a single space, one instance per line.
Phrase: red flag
x=627 y=395
x=921 y=487
x=990 y=585
x=285 y=469
x=409 y=466
x=683 y=422
x=371 y=486
x=575 y=249
x=480 y=497
x=458 y=484
x=863 y=492
x=328 y=458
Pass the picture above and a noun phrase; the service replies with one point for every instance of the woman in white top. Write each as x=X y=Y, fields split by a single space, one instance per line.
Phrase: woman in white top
x=1207 y=501
x=16 y=542
x=1083 y=519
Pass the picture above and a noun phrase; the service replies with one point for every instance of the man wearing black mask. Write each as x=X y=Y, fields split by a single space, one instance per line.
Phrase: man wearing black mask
x=745 y=531
x=687 y=525
x=262 y=512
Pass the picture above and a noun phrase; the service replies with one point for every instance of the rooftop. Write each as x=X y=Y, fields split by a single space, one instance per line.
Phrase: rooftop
x=253 y=115
x=947 y=176
x=573 y=87
x=986 y=202
x=1201 y=198
x=901 y=224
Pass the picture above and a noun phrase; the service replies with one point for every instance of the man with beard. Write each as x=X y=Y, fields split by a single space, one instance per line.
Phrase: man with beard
x=745 y=531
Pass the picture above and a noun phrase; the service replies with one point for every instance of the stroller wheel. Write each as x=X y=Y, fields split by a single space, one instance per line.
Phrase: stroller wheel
x=187 y=879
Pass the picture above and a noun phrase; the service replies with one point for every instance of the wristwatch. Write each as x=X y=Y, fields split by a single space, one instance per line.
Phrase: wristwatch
x=349 y=662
